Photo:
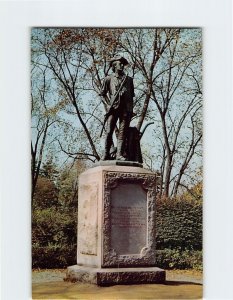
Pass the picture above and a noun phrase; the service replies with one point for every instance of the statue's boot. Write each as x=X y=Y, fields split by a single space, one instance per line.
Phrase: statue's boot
x=108 y=145
x=120 y=150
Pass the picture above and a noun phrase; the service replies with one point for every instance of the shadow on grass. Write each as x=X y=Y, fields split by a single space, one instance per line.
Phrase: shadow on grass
x=168 y=282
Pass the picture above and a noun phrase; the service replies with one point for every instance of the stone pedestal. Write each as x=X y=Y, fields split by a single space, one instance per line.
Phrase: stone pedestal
x=116 y=227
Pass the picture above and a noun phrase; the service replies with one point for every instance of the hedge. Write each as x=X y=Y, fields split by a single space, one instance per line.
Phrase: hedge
x=179 y=224
x=179 y=259
x=53 y=256
x=54 y=238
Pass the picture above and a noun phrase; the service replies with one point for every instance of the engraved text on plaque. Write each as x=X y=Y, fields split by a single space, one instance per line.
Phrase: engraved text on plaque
x=128 y=219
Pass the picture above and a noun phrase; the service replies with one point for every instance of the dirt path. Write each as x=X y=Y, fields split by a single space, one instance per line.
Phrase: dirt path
x=49 y=284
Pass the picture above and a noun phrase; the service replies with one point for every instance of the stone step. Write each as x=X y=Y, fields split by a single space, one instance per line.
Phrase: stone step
x=112 y=276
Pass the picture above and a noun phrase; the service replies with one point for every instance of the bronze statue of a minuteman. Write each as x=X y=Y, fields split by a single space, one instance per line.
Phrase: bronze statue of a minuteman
x=120 y=89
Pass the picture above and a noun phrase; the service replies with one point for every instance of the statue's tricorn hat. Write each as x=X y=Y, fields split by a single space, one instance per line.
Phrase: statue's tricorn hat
x=118 y=57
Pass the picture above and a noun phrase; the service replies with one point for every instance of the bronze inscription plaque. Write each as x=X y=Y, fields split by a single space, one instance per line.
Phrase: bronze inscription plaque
x=128 y=219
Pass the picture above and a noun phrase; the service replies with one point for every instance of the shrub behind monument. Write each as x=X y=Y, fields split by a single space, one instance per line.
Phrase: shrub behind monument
x=179 y=224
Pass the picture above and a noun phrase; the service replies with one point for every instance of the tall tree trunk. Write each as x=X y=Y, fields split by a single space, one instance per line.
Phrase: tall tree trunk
x=168 y=169
x=144 y=110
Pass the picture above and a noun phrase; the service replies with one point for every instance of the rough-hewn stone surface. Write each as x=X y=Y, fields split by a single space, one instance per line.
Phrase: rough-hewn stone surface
x=115 y=275
x=88 y=218
x=147 y=182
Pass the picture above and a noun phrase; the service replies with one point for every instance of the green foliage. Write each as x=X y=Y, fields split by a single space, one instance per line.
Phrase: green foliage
x=46 y=189
x=68 y=186
x=51 y=225
x=54 y=219
x=179 y=224
x=46 y=194
x=53 y=256
x=179 y=259
x=54 y=216
x=53 y=238
x=179 y=232
x=49 y=170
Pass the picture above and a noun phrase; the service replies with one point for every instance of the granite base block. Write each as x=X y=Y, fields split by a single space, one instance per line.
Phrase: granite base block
x=113 y=276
